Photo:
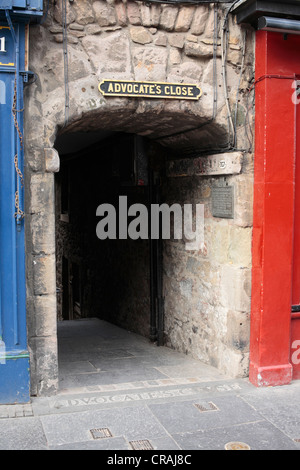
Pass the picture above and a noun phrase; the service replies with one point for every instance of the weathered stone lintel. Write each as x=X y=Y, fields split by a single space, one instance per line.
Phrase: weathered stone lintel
x=220 y=164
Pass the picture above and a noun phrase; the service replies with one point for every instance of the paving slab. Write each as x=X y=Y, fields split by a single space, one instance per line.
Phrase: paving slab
x=260 y=435
x=132 y=423
x=221 y=412
x=22 y=434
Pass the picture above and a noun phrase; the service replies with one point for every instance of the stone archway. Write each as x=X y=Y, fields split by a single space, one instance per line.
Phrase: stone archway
x=132 y=41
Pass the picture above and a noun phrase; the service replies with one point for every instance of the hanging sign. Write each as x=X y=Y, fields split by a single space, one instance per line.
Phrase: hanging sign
x=150 y=89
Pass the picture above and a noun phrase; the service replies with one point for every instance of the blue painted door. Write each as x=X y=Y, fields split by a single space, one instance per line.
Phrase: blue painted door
x=14 y=357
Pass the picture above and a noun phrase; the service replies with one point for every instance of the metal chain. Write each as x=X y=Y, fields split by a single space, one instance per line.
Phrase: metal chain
x=19 y=214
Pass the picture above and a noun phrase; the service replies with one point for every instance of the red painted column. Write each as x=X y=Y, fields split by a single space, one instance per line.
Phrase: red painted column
x=277 y=61
x=295 y=334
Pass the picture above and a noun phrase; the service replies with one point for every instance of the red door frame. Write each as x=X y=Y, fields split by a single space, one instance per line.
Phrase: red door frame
x=277 y=62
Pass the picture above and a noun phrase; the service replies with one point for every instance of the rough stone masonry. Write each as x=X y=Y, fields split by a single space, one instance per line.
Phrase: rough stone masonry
x=207 y=294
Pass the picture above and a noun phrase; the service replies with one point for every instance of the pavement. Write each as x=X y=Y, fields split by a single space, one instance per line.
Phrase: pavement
x=119 y=392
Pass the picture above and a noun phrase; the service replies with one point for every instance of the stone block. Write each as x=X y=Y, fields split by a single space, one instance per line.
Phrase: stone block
x=168 y=17
x=191 y=70
x=233 y=363
x=50 y=79
x=146 y=15
x=243 y=215
x=72 y=38
x=238 y=331
x=133 y=13
x=58 y=38
x=44 y=276
x=235 y=288
x=42 y=193
x=76 y=27
x=56 y=29
x=218 y=241
x=161 y=39
x=199 y=20
x=234 y=55
x=104 y=13
x=184 y=18
x=200 y=50
x=44 y=367
x=43 y=318
x=92 y=29
x=84 y=12
x=52 y=160
x=43 y=233
x=192 y=38
x=209 y=24
x=176 y=40
x=140 y=35
x=239 y=250
x=110 y=54
x=34 y=159
x=121 y=13
x=150 y=63
x=174 y=56
x=155 y=14
x=77 y=34
x=79 y=67
x=58 y=13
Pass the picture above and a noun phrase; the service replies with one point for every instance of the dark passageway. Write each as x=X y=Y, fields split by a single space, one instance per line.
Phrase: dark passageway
x=105 y=278
x=109 y=290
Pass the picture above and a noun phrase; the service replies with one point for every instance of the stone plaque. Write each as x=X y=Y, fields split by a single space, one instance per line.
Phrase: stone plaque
x=221 y=164
x=223 y=202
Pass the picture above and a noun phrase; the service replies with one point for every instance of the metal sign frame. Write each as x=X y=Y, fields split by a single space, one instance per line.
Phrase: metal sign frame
x=147 y=89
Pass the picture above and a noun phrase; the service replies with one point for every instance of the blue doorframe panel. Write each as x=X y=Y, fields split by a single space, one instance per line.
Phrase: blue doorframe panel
x=14 y=357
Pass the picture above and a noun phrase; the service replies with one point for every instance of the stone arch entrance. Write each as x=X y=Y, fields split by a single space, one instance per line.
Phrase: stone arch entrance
x=99 y=40
x=70 y=55
x=123 y=281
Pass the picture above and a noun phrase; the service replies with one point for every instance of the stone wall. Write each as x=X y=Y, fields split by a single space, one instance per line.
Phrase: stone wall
x=207 y=293
x=157 y=42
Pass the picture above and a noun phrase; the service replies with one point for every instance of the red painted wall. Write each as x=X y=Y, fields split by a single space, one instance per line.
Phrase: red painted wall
x=277 y=62
x=295 y=333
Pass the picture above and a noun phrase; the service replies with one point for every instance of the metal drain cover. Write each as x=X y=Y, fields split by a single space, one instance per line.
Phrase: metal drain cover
x=100 y=433
x=141 y=445
x=211 y=407
x=237 y=446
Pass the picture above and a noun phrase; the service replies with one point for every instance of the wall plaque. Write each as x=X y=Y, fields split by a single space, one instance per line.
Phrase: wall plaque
x=223 y=202
x=150 y=89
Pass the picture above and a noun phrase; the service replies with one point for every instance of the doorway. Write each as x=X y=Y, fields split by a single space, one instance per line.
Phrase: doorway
x=115 y=279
